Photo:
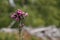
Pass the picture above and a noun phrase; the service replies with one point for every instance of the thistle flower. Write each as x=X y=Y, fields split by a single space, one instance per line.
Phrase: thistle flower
x=26 y=14
x=19 y=15
x=17 y=19
x=13 y=15
x=19 y=12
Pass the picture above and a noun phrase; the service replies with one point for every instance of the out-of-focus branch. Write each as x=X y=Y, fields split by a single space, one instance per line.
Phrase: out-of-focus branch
x=12 y=4
x=12 y=23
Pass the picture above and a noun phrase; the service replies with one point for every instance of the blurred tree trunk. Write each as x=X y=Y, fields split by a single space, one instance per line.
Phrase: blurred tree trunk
x=24 y=2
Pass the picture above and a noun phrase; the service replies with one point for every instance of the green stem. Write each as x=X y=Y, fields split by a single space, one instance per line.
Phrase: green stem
x=20 y=30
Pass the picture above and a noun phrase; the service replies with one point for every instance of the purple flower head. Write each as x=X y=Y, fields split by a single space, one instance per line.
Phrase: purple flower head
x=17 y=19
x=26 y=14
x=13 y=15
x=19 y=15
x=19 y=12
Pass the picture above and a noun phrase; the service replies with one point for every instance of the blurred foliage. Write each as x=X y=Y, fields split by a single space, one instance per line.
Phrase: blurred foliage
x=41 y=12
x=8 y=36
x=14 y=36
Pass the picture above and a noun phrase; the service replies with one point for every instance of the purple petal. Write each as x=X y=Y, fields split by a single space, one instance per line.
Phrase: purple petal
x=17 y=19
x=19 y=13
x=13 y=16
x=26 y=14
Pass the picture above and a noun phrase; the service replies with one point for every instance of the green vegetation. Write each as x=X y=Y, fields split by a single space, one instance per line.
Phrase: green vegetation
x=41 y=12
x=8 y=36
x=14 y=36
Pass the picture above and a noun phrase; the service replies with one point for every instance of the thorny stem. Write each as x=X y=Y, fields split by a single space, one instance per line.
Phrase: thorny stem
x=20 y=30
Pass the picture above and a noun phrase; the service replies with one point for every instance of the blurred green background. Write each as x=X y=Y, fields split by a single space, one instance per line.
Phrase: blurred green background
x=41 y=12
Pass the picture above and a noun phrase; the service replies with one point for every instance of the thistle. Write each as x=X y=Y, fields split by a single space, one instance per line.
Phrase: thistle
x=19 y=16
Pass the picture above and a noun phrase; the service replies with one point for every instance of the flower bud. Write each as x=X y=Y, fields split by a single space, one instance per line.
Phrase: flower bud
x=26 y=14
x=19 y=12
x=13 y=15
x=17 y=19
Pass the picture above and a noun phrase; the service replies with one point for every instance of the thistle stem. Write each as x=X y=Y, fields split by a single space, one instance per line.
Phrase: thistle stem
x=20 y=31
